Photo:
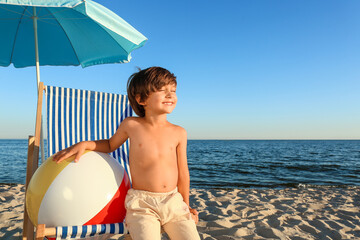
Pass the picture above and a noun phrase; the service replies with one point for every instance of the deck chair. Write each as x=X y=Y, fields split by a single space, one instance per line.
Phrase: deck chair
x=76 y=115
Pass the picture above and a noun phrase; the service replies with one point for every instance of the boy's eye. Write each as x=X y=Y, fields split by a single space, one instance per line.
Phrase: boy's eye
x=164 y=90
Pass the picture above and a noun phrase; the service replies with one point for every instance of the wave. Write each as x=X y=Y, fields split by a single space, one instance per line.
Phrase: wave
x=219 y=185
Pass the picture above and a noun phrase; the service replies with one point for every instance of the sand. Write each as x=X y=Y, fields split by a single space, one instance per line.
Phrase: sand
x=295 y=213
x=11 y=211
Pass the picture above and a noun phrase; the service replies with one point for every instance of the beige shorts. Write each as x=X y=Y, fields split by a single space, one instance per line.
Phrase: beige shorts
x=147 y=212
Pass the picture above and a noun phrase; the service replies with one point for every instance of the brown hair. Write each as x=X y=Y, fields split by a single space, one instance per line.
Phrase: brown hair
x=144 y=82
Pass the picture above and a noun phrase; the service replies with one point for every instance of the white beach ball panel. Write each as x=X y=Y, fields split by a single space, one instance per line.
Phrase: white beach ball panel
x=81 y=190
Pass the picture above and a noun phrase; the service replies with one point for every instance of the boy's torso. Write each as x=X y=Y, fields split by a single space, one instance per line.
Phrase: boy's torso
x=153 y=156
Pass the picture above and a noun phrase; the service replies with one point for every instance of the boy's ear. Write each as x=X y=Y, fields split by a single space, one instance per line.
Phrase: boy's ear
x=138 y=100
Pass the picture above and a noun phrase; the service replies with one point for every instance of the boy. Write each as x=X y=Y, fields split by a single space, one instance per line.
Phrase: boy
x=157 y=158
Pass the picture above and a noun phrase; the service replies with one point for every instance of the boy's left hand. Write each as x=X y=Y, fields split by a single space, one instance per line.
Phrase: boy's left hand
x=194 y=215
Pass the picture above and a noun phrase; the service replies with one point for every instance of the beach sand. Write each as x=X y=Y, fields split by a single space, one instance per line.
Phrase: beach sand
x=294 y=213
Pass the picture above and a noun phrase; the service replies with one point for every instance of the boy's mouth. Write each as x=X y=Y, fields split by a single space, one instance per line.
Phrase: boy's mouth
x=168 y=103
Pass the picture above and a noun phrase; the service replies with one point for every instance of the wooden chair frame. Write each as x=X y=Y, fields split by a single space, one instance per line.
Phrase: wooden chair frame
x=32 y=165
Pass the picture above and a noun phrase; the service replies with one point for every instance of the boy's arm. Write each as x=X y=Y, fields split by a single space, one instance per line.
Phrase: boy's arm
x=106 y=145
x=183 y=173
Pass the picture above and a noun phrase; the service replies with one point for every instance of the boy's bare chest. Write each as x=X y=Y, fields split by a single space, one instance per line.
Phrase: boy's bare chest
x=162 y=142
x=155 y=143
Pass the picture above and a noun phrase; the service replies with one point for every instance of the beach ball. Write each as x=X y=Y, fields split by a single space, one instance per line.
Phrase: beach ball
x=91 y=191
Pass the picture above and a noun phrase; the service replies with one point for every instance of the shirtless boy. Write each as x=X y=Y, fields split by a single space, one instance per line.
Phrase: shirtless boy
x=157 y=158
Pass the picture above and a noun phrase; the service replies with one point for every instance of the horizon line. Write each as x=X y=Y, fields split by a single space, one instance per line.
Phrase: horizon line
x=245 y=139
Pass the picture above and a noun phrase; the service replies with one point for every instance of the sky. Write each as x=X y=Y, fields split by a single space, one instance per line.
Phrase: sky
x=246 y=69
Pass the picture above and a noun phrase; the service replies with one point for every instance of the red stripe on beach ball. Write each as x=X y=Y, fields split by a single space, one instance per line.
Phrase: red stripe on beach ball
x=114 y=211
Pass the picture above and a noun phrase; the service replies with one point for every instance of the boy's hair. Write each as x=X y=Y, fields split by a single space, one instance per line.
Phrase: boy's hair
x=146 y=81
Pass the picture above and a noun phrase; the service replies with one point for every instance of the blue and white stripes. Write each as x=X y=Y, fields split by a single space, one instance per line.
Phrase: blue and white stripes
x=89 y=231
x=75 y=115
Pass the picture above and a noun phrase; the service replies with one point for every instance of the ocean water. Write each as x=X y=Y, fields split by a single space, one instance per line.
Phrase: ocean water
x=241 y=163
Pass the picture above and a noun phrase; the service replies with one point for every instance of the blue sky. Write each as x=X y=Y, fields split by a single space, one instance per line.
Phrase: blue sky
x=255 y=69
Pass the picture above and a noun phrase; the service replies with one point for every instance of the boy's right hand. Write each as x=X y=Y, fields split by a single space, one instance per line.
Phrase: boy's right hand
x=194 y=215
x=77 y=150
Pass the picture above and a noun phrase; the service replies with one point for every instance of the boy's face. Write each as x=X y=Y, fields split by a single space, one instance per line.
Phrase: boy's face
x=162 y=101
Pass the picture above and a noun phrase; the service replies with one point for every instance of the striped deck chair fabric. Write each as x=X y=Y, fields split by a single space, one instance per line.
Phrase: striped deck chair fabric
x=75 y=115
x=77 y=232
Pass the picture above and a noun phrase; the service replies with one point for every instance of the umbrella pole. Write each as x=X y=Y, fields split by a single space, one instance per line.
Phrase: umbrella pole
x=36 y=47
x=38 y=78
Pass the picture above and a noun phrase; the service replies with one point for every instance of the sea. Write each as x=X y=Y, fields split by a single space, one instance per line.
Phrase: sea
x=229 y=164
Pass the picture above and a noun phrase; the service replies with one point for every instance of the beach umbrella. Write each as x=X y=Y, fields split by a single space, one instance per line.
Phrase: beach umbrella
x=62 y=33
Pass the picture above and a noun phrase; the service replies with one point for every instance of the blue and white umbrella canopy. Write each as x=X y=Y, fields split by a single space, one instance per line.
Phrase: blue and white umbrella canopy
x=69 y=32
x=62 y=33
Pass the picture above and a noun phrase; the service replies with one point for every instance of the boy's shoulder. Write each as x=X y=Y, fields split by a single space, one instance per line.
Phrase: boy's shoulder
x=180 y=131
x=179 y=128
x=131 y=120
